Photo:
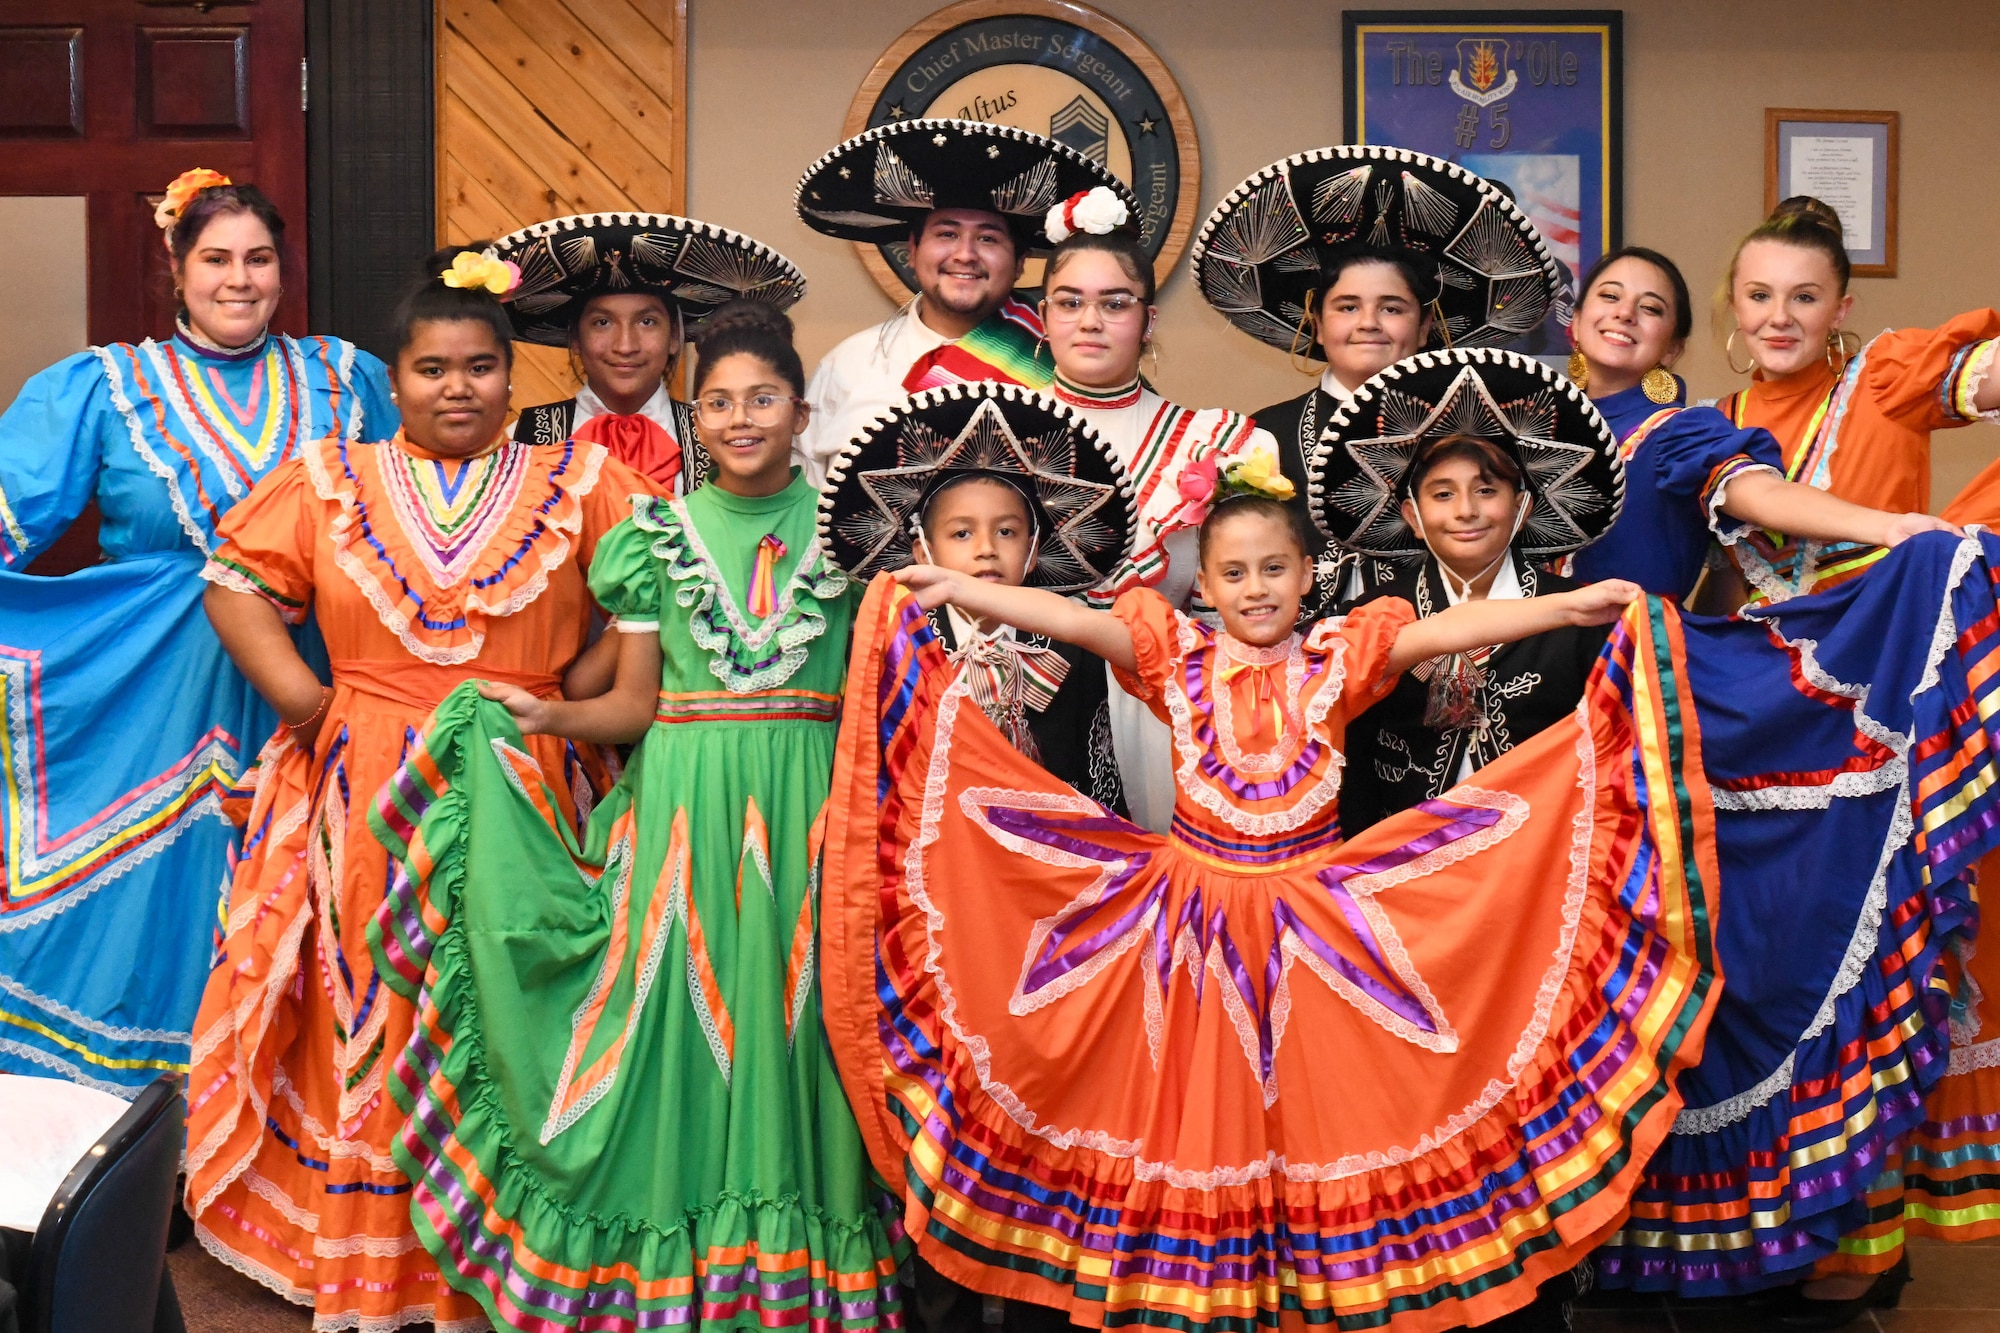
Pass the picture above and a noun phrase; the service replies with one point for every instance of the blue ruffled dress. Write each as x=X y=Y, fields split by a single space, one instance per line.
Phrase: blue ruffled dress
x=122 y=722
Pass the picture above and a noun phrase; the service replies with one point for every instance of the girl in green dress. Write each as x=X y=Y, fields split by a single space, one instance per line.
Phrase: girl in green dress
x=623 y=1112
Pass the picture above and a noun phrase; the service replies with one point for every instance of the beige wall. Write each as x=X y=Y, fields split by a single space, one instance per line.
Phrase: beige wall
x=770 y=81
x=44 y=273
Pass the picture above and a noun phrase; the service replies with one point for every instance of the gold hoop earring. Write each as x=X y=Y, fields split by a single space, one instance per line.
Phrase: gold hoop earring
x=1729 y=356
x=1153 y=347
x=1440 y=323
x=1578 y=369
x=1837 y=355
x=1658 y=385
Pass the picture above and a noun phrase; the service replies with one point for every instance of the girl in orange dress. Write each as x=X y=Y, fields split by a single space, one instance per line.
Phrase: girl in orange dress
x=1248 y=1072
x=446 y=553
x=1856 y=423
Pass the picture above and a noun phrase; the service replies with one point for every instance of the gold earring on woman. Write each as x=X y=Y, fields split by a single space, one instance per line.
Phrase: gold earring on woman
x=1658 y=385
x=1729 y=356
x=1579 y=368
x=1836 y=351
x=1153 y=347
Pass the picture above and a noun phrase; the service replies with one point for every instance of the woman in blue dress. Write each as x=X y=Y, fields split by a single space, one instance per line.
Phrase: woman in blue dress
x=122 y=723
x=1691 y=474
x=1827 y=1033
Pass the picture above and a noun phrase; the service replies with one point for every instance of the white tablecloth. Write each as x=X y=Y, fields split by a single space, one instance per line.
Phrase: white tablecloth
x=46 y=1126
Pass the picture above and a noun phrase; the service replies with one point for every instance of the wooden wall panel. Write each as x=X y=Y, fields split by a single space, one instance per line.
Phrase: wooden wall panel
x=546 y=107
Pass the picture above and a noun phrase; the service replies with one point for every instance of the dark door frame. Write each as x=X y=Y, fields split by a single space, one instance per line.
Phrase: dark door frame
x=371 y=180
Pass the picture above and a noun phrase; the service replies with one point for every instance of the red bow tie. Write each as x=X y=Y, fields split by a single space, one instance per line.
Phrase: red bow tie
x=638 y=442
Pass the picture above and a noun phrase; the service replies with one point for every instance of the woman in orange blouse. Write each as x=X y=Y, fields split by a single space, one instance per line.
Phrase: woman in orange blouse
x=1857 y=423
x=445 y=553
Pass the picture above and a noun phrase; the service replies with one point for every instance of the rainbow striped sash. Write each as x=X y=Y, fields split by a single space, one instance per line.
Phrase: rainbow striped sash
x=1006 y=346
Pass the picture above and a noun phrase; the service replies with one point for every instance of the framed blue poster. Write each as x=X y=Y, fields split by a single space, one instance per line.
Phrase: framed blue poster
x=1531 y=99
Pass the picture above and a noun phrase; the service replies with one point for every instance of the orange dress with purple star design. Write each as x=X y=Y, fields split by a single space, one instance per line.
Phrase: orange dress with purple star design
x=1262 y=1070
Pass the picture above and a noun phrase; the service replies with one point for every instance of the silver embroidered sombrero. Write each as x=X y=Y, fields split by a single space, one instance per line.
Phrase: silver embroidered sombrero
x=879 y=186
x=1258 y=258
x=878 y=485
x=1356 y=479
x=693 y=266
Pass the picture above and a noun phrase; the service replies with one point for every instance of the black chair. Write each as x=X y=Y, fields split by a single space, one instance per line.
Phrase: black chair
x=100 y=1253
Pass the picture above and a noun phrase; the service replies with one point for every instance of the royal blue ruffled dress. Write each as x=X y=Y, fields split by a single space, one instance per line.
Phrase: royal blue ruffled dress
x=122 y=722
x=1854 y=783
x=1678 y=462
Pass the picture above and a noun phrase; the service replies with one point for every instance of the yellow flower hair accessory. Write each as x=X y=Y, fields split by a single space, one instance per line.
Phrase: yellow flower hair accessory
x=470 y=270
x=184 y=188
x=1257 y=471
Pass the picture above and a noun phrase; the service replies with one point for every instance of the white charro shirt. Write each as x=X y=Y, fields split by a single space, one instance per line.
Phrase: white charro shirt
x=861 y=378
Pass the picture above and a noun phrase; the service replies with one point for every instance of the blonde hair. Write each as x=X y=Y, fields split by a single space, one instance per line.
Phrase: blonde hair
x=1800 y=221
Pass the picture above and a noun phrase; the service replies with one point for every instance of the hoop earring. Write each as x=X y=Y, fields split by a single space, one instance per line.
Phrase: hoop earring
x=1440 y=323
x=1153 y=346
x=1729 y=356
x=1837 y=355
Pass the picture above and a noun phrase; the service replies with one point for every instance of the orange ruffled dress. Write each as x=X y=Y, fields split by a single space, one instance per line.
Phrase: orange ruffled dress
x=422 y=572
x=1247 y=1071
x=1863 y=434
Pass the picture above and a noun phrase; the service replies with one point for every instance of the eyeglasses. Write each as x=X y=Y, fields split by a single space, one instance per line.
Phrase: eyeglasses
x=1113 y=309
x=763 y=409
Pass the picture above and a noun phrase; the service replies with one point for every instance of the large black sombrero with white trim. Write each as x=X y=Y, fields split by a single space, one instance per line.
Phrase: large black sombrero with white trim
x=879 y=186
x=1258 y=257
x=1356 y=478
x=693 y=266
x=879 y=483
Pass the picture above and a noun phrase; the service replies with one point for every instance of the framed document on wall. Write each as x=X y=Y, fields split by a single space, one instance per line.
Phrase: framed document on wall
x=1533 y=100
x=1846 y=159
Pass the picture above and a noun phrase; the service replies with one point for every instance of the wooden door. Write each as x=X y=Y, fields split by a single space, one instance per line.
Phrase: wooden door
x=111 y=99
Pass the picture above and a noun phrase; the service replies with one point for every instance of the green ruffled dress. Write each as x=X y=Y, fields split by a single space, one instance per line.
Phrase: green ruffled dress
x=623 y=1111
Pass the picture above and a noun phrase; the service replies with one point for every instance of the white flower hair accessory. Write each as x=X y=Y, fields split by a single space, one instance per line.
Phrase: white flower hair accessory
x=1097 y=210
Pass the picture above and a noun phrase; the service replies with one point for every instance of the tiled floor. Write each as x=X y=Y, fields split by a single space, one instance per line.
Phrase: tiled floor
x=1954 y=1289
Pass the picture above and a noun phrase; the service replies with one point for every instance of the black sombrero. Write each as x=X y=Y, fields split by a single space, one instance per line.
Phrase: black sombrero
x=1258 y=257
x=693 y=266
x=1355 y=479
x=879 y=186
x=880 y=482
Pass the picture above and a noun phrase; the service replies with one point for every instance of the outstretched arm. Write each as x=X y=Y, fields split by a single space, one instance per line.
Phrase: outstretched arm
x=1030 y=609
x=1472 y=625
x=1798 y=510
x=617 y=717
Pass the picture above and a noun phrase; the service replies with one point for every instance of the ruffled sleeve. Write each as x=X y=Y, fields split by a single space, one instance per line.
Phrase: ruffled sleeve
x=625 y=576
x=266 y=542
x=1364 y=637
x=608 y=504
x=369 y=379
x=1698 y=451
x=50 y=447
x=1926 y=379
x=1156 y=644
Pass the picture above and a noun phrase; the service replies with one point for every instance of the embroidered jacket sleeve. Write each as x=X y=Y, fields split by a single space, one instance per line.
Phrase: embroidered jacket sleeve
x=51 y=442
x=625 y=576
x=1926 y=379
x=1698 y=451
x=1156 y=647
x=1364 y=638
x=266 y=542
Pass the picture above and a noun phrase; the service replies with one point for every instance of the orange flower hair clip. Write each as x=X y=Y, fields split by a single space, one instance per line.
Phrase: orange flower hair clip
x=184 y=188
x=470 y=270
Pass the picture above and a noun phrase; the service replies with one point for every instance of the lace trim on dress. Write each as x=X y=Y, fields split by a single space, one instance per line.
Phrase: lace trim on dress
x=1213 y=798
x=154 y=463
x=744 y=657
x=561 y=524
x=1292 y=653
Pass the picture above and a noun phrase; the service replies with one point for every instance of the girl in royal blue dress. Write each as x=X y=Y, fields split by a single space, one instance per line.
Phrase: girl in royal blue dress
x=123 y=721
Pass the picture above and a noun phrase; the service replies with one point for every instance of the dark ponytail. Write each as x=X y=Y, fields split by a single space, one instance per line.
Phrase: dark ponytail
x=752 y=327
x=428 y=300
